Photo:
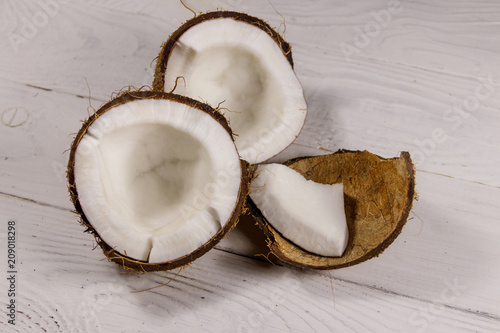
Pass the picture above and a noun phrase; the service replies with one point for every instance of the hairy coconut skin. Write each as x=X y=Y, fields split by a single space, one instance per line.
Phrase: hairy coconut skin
x=122 y=259
x=159 y=77
x=378 y=197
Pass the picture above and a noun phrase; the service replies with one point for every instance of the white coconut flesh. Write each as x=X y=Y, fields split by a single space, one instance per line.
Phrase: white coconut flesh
x=241 y=67
x=309 y=214
x=156 y=178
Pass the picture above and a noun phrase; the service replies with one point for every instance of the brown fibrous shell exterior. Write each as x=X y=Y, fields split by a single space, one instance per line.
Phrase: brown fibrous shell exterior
x=378 y=197
x=168 y=46
x=120 y=258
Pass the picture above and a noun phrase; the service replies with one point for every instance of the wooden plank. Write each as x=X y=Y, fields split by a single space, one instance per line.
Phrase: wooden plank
x=83 y=44
x=452 y=37
x=64 y=286
x=386 y=109
x=36 y=131
x=362 y=104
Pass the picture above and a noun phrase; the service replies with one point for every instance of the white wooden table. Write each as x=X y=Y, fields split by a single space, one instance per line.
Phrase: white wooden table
x=425 y=78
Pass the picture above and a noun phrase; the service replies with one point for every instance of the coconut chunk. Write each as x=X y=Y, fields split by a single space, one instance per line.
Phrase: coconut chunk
x=309 y=214
x=230 y=60
x=156 y=178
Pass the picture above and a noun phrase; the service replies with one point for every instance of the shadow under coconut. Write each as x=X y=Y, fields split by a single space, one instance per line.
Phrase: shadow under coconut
x=249 y=239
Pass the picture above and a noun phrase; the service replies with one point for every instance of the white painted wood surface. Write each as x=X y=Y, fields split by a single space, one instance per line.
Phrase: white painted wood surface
x=401 y=86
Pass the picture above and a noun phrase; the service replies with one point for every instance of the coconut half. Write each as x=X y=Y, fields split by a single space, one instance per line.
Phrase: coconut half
x=237 y=62
x=378 y=196
x=157 y=178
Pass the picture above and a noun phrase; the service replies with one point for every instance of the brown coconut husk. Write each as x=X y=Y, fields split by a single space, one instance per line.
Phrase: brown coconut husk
x=378 y=196
x=121 y=258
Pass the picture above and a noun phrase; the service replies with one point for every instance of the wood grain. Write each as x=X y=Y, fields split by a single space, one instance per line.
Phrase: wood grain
x=64 y=286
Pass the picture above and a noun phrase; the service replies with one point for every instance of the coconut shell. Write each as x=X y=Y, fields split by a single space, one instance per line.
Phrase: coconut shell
x=159 y=78
x=120 y=258
x=378 y=196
